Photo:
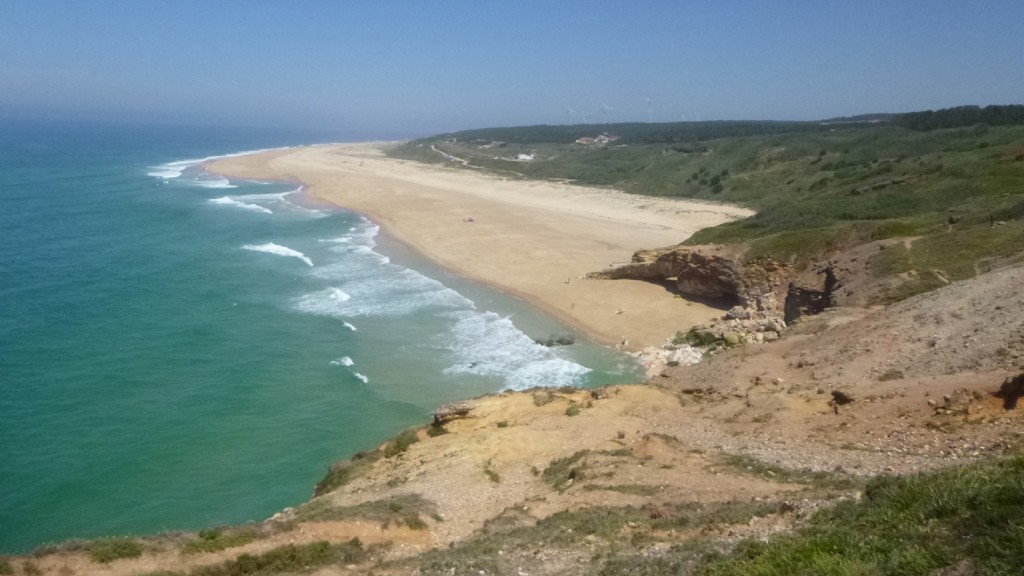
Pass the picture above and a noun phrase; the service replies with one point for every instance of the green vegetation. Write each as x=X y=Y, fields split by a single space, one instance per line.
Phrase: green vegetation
x=624 y=530
x=288 y=559
x=818 y=479
x=110 y=549
x=695 y=337
x=562 y=472
x=492 y=475
x=345 y=471
x=219 y=539
x=972 y=517
x=962 y=116
x=951 y=180
x=573 y=409
x=5 y=567
x=399 y=510
x=634 y=489
x=401 y=443
x=968 y=520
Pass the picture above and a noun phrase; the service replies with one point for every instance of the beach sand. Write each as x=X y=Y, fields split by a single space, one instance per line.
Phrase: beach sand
x=533 y=239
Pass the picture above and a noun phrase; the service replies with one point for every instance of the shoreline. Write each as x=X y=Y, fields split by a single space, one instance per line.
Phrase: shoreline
x=533 y=240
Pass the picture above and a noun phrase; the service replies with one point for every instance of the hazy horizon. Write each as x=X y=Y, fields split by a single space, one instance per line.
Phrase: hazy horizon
x=408 y=68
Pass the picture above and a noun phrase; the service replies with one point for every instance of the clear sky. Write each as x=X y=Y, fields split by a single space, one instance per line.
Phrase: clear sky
x=430 y=66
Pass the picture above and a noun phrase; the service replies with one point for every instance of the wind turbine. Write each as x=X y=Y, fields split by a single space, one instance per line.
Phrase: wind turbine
x=604 y=112
x=568 y=114
x=650 y=111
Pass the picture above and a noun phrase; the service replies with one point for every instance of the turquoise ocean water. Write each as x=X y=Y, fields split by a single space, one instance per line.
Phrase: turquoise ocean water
x=179 y=351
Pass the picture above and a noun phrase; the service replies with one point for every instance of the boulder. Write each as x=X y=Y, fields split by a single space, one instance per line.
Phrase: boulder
x=450 y=412
x=557 y=340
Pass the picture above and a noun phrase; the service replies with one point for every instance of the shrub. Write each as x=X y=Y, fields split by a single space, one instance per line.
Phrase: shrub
x=288 y=559
x=401 y=443
x=216 y=539
x=345 y=471
x=110 y=549
x=562 y=472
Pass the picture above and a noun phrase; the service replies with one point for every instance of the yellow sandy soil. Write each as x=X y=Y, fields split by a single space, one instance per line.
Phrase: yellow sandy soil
x=532 y=239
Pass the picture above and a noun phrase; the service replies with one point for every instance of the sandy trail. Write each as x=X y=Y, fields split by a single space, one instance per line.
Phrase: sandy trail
x=532 y=239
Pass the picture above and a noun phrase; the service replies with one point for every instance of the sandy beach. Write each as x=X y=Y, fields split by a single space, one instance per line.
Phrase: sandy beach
x=533 y=239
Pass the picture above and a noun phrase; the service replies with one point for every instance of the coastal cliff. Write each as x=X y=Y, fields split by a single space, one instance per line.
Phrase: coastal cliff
x=709 y=272
x=749 y=443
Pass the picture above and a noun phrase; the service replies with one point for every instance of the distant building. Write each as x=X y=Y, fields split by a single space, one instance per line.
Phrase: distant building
x=602 y=139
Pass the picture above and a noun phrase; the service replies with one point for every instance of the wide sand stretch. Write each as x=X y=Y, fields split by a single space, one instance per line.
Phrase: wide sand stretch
x=533 y=239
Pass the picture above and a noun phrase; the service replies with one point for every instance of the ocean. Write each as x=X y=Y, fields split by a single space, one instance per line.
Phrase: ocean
x=180 y=351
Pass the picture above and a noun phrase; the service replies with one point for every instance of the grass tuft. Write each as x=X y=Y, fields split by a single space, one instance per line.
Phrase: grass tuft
x=562 y=472
x=918 y=525
x=401 y=443
x=110 y=549
x=217 y=539
x=288 y=559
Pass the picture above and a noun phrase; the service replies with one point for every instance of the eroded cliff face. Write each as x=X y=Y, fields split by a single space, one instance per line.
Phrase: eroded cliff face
x=710 y=272
x=762 y=294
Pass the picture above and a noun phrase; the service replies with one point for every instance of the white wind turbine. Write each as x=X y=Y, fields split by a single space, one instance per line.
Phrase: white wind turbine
x=604 y=112
x=650 y=111
x=568 y=114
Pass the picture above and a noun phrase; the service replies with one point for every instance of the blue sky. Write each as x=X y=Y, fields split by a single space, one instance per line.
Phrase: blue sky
x=431 y=66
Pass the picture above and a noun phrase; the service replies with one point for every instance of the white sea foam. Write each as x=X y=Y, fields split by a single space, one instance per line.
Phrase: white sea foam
x=388 y=291
x=175 y=169
x=361 y=377
x=374 y=286
x=281 y=200
x=362 y=233
x=486 y=344
x=229 y=201
x=343 y=361
x=340 y=295
x=271 y=248
x=271 y=197
x=361 y=250
x=349 y=326
x=215 y=182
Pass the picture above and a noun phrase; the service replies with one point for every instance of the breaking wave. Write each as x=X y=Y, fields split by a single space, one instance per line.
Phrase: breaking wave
x=271 y=248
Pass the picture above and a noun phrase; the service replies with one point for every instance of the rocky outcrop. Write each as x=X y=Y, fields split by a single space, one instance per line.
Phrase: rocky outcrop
x=768 y=294
x=449 y=412
x=803 y=301
x=558 y=339
x=1011 y=391
x=708 y=272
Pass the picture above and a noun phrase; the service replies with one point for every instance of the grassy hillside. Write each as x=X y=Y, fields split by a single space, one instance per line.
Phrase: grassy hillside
x=958 y=192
